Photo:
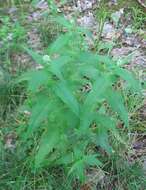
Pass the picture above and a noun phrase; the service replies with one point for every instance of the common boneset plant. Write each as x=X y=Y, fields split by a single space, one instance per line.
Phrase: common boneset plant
x=68 y=95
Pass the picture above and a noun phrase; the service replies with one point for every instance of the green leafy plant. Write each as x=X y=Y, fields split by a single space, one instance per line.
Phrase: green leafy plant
x=74 y=103
x=101 y=16
x=139 y=17
x=49 y=30
x=11 y=34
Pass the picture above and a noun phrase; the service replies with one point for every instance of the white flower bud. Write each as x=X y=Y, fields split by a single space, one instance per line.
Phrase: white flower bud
x=46 y=58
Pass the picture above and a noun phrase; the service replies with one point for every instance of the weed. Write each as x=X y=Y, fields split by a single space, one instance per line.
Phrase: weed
x=11 y=34
x=61 y=115
x=49 y=30
x=101 y=17
x=139 y=17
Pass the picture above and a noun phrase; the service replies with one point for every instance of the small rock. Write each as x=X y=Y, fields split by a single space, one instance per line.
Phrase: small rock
x=42 y=5
x=109 y=31
x=87 y=20
x=85 y=5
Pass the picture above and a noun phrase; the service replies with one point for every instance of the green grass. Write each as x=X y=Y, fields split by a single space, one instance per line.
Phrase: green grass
x=133 y=10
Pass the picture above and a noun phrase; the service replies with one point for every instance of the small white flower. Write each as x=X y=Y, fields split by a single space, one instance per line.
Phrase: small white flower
x=46 y=58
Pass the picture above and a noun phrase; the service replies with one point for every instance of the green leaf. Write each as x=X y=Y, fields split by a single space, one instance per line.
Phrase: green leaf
x=59 y=44
x=107 y=60
x=105 y=45
x=65 y=159
x=104 y=123
x=64 y=22
x=102 y=140
x=88 y=71
x=63 y=92
x=34 y=2
x=116 y=102
x=77 y=169
x=95 y=60
x=39 y=113
x=127 y=76
x=49 y=140
x=57 y=65
x=88 y=58
x=36 y=57
x=98 y=90
x=92 y=160
x=36 y=79
x=61 y=61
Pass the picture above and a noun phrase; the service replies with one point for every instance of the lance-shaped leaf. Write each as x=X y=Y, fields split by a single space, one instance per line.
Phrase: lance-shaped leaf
x=104 y=124
x=116 y=102
x=63 y=92
x=57 y=66
x=35 y=78
x=106 y=121
x=39 y=113
x=98 y=91
x=129 y=78
x=59 y=44
x=92 y=160
x=77 y=169
x=49 y=140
